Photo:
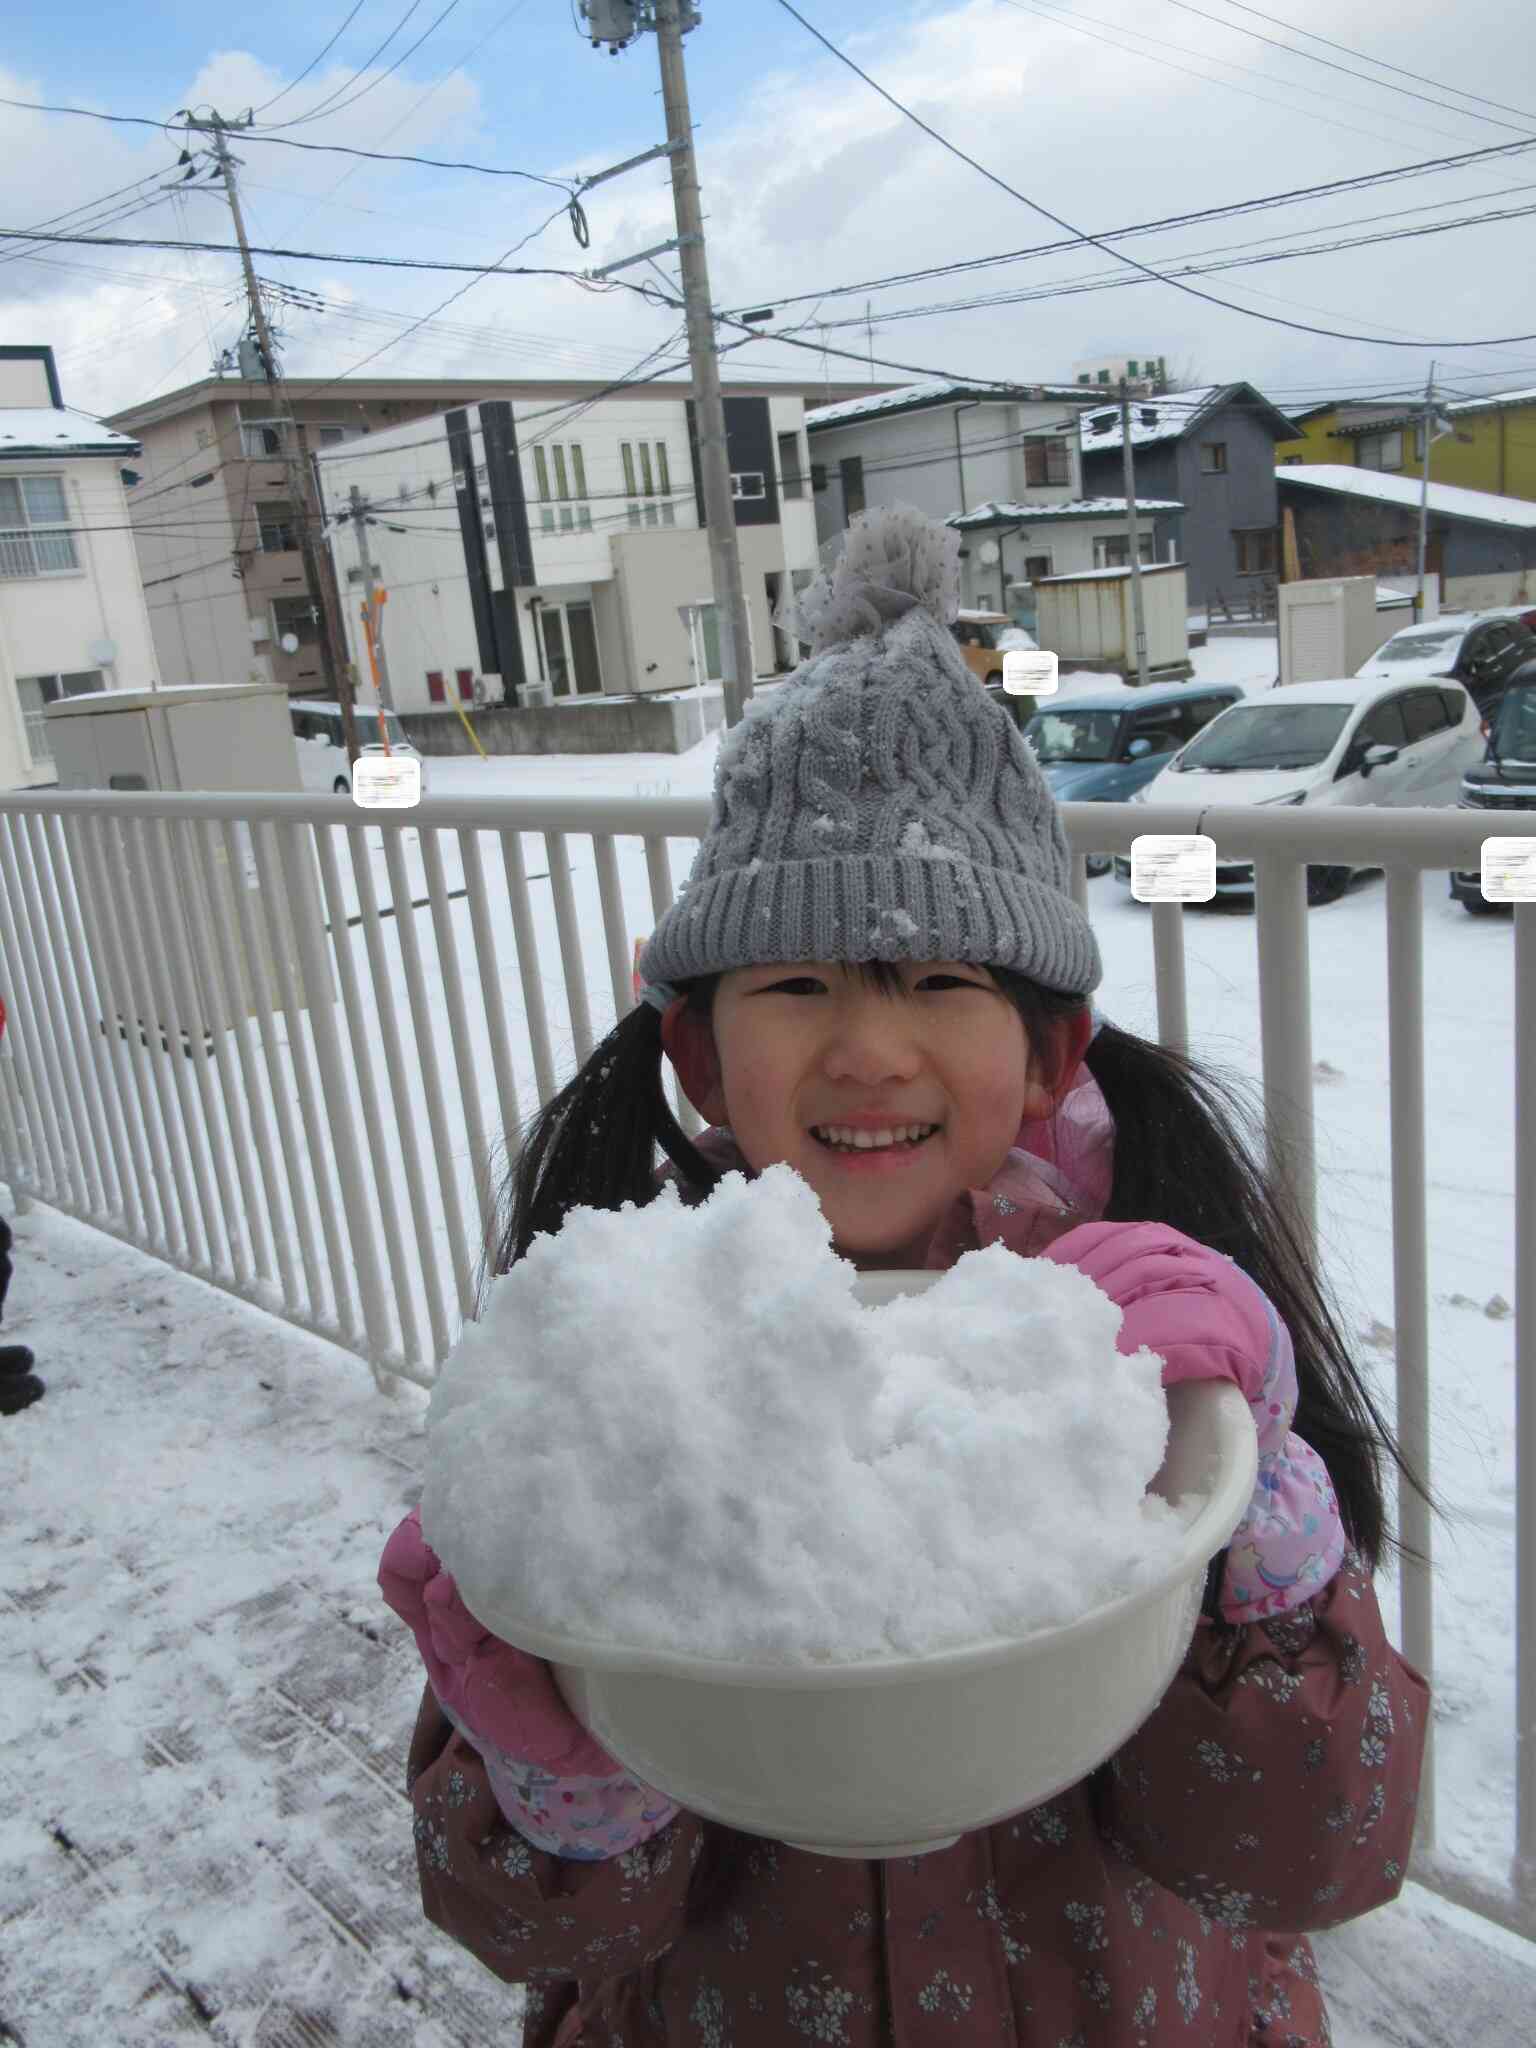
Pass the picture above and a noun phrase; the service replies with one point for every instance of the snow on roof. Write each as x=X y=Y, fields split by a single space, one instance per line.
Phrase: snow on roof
x=1098 y=575
x=1449 y=500
x=57 y=430
x=994 y=514
x=1152 y=419
x=1493 y=400
x=942 y=391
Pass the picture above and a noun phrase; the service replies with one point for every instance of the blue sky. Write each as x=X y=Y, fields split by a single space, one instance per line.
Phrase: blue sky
x=1109 y=112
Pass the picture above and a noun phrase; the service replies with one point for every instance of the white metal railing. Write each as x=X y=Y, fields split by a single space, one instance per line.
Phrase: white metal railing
x=147 y=983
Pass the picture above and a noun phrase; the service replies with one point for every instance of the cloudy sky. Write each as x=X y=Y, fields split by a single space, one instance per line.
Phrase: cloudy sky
x=1109 y=114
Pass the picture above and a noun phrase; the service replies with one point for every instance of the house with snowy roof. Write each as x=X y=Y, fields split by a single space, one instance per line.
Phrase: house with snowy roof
x=1213 y=450
x=999 y=461
x=1491 y=446
x=1360 y=522
x=72 y=611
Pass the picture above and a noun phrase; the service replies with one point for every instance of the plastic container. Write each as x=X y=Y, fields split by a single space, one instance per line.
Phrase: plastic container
x=900 y=1756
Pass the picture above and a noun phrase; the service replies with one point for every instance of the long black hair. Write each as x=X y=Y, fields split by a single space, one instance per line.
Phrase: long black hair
x=1185 y=1155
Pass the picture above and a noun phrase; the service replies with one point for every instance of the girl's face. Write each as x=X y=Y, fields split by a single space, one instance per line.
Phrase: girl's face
x=809 y=1046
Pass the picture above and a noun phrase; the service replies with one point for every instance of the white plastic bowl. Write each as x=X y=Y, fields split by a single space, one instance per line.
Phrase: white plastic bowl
x=900 y=1756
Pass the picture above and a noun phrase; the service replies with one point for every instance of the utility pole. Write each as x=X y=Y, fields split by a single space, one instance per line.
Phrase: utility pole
x=1429 y=432
x=1133 y=534
x=616 y=22
x=380 y=658
x=295 y=460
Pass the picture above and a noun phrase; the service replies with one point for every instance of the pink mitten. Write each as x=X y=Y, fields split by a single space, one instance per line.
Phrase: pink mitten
x=557 y=1785
x=500 y=1692
x=1207 y=1320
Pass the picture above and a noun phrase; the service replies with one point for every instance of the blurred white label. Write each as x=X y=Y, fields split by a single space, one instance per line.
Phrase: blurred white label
x=1029 y=672
x=387 y=782
x=1509 y=870
x=1173 y=867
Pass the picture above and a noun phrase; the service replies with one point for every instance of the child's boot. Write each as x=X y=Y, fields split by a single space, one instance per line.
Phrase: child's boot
x=20 y=1392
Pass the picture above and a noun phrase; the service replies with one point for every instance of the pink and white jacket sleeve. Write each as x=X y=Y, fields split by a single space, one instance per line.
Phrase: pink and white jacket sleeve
x=558 y=1786
x=1203 y=1315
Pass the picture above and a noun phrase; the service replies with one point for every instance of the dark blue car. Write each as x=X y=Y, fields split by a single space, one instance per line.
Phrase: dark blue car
x=1097 y=747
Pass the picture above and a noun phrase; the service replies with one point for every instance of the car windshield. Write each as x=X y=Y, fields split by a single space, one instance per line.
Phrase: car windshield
x=1514 y=732
x=1417 y=647
x=1073 y=735
x=1268 y=736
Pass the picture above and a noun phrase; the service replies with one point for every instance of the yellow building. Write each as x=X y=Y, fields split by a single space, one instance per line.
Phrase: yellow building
x=1492 y=447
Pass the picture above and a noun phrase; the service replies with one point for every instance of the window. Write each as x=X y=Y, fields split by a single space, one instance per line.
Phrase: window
x=570 y=482
x=541 y=470
x=1213 y=458
x=1103 y=376
x=748 y=483
x=791 y=479
x=1257 y=550
x=1036 y=566
x=851 y=474
x=1148 y=415
x=1424 y=713
x=1380 y=451
x=818 y=476
x=648 y=475
x=436 y=689
x=1131 y=367
x=330 y=437
x=1383 y=727
x=295 y=615
x=1113 y=550
x=278 y=527
x=465 y=678
x=36 y=692
x=562 y=485
x=1047 y=462
x=1101 y=422
x=34 y=536
x=260 y=437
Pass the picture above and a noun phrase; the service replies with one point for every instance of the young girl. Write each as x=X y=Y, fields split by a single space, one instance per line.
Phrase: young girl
x=878 y=941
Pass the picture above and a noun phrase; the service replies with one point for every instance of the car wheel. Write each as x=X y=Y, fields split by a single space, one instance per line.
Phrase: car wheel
x=1099 y=864
x=341 y=786
x=1479 y=906
x=1326 y=885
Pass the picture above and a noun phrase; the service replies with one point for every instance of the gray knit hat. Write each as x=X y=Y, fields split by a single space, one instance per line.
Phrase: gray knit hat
x=879 y=805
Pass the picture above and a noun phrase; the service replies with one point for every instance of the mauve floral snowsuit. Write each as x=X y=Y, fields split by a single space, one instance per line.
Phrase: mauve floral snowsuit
x=1165 y=1899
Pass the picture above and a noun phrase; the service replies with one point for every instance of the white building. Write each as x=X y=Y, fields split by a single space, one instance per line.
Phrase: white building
x=72 y=611
x=1005 y=466
x=1142 y=373
x=550 y=547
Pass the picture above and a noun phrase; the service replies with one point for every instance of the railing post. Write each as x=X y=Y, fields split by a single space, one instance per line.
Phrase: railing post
x=1524 y=1873
x=1285 y=1029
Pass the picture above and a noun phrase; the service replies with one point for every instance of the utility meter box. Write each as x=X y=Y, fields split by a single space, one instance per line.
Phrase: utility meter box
x=222 y=737
x=1329 y=628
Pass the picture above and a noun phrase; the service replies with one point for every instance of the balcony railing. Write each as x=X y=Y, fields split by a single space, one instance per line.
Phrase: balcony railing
x=180 y=1077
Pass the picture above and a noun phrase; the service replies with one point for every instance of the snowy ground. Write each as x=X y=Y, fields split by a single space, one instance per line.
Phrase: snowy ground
x=203 y=1826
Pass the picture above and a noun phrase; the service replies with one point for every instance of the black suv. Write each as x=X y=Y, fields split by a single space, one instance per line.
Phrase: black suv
x=1505 y=779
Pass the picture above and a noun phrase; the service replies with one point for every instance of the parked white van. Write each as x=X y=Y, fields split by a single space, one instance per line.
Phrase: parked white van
x=321 y=743
x=1365 y=741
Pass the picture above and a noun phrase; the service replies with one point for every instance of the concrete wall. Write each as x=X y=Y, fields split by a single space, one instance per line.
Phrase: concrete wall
x=655 y=725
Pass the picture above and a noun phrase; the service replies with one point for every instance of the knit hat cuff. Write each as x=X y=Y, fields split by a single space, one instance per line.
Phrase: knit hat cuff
x=853 y=907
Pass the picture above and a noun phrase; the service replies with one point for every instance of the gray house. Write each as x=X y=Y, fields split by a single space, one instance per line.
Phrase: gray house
x=1212 y=450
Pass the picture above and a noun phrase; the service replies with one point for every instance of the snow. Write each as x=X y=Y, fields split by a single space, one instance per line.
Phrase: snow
x=1449 y=500
x=195 y=1512
x=792 y=1478
x=993 y=513
x=1492 y=400
x=941 y=391
x=1171 y=416
x=51 y=429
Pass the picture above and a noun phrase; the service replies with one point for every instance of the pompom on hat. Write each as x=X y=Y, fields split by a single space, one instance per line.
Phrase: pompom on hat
x=878 y=804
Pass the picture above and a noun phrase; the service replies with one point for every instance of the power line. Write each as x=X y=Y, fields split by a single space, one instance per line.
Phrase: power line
x=290 y=142
x=1192 y=291
x=301 y=76
x=1362 y=77
x=1294 y=196
x=335 y=105
x=1380 y=62
x=1067 y=17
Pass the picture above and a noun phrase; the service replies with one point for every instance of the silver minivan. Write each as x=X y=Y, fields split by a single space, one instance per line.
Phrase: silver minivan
x=320 y=743
x=1365 y=741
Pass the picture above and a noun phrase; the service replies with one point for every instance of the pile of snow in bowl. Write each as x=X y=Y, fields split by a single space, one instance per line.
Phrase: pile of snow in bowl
x=675 y=1429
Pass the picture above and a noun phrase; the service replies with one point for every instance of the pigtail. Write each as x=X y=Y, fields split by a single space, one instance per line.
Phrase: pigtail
x=594 y=1145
